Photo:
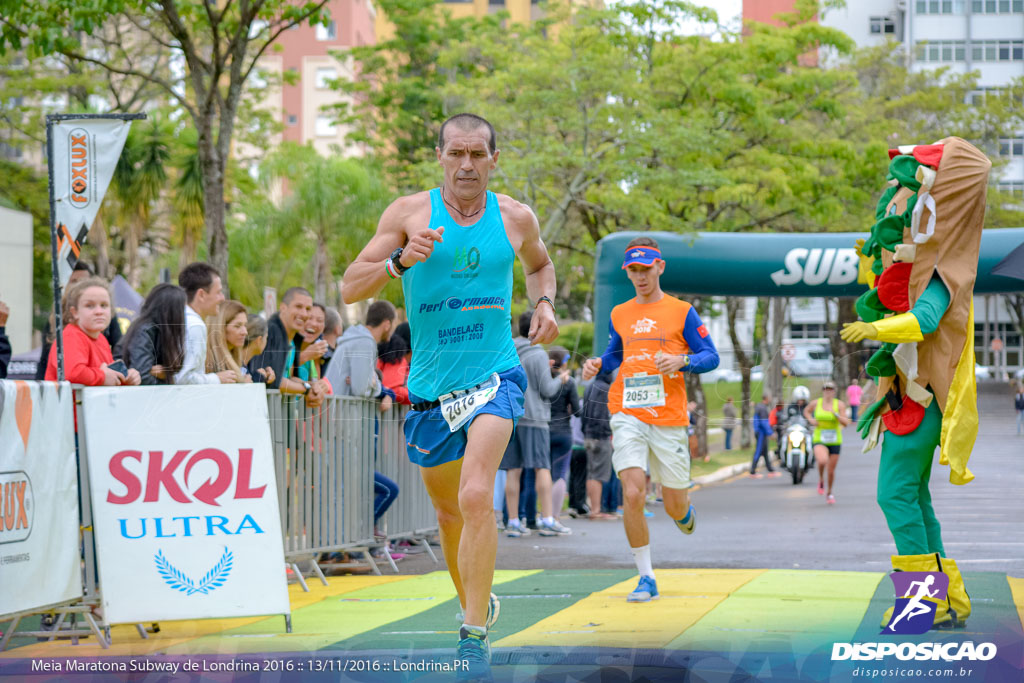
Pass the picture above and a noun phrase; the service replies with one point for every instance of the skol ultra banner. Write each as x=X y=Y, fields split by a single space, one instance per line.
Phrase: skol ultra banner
x=39 y=548
x=85 y=152
x=185 y=506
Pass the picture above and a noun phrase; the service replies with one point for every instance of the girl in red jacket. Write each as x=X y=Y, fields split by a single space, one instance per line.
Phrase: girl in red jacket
x=87 y=311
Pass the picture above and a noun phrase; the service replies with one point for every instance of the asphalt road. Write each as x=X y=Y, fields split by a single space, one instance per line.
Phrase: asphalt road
x=770 y=523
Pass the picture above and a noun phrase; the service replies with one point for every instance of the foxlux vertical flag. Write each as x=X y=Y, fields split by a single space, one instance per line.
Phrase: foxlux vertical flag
x=85 y=152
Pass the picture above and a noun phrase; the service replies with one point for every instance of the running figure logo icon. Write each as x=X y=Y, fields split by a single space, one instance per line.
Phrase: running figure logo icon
x=916 y=593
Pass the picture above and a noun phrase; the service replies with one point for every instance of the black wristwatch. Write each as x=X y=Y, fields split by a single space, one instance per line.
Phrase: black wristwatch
x=306 y=387
x=396 y=263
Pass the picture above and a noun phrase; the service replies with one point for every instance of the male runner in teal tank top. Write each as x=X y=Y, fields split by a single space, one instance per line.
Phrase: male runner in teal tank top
x=454 y=248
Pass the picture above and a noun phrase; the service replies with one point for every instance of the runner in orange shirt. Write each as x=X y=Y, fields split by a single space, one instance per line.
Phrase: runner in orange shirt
x=654 y=339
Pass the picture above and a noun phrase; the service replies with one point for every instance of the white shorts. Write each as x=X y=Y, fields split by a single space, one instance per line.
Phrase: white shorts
x=668 y=447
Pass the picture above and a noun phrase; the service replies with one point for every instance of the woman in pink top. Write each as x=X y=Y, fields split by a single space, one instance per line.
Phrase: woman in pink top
x=87 y=312
x=853 y=393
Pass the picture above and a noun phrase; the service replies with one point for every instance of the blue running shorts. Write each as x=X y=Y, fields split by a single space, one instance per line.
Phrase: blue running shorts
x=430 y=443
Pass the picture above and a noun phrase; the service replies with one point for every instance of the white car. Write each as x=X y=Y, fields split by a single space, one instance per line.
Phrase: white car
x=981 y=372
x=757 y=374
x=1019 y=374
x=721 y=375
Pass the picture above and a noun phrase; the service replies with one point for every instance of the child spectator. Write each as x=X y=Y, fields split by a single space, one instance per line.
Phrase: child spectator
x=227 y=339
x=155 y=343
x=87 y=310
x=729 y=421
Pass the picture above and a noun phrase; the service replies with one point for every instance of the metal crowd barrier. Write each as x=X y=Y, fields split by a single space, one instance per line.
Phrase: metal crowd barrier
x=324 y=461
x=411 y=517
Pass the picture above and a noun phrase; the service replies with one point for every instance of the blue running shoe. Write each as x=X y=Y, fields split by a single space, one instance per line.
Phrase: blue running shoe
x=493 y=610
x=645 y=591
x=691 y=517
x=473 y=657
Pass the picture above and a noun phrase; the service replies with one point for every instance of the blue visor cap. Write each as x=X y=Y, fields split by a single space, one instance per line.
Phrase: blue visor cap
x=644 y=256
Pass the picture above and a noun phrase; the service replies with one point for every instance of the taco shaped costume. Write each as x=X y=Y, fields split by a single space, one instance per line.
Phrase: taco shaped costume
x=921 y=262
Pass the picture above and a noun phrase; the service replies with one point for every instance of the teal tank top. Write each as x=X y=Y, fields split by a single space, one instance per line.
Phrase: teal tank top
x=458 y=303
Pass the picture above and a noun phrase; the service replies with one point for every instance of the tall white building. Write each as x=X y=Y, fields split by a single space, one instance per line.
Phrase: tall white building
x=986 y=36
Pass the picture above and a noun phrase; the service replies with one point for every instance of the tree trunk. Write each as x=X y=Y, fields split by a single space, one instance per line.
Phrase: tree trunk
x=695 y=393
x=732 y=307
x=213 y=202
x=322 y=270
x=848 y=365
x=98 y=238
x=773 y=371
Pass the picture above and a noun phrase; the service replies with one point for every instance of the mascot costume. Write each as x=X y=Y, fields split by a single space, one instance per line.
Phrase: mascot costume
x=921 y=262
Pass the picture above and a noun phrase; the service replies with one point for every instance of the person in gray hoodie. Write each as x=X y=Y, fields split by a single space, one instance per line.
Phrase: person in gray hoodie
x=530 y=445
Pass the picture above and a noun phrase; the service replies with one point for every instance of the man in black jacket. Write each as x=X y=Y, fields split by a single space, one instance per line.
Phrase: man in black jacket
x=597 y=435
x=284 y=342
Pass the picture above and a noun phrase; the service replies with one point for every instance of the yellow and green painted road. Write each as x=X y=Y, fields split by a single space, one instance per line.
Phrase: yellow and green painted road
x=551 y=618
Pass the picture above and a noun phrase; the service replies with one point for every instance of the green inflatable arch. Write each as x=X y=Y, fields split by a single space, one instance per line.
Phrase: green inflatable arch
x=765 y=264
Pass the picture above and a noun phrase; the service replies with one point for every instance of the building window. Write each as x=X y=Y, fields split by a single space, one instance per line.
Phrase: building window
x=1011 y=147
x=323 y=78
x=292 y=119
x=882 y=25
x=1014 y=188
x=325 y=127
x=997 y=6
x=329 y=32
x=997 y=51
x=941 y=51
x=940 y=6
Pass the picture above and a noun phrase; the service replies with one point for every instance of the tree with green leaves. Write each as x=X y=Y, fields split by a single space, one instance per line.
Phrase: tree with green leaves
x=219 y=43
x=327 y=210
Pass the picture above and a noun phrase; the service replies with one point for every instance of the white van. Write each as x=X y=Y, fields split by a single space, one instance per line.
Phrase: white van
x=810 y=360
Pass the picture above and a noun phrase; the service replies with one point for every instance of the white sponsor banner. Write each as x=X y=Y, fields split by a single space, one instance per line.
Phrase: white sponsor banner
x=39 y=547
x=184 y=502
x=85 y=152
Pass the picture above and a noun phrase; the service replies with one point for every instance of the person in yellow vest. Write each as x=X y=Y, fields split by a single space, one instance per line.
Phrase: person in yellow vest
x=828 y=417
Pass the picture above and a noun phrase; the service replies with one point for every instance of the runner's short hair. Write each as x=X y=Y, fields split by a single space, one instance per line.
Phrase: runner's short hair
x=643 y=241
x=469 y=122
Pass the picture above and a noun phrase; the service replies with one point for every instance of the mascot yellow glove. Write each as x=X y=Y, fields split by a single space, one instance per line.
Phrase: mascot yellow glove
x=858 y=331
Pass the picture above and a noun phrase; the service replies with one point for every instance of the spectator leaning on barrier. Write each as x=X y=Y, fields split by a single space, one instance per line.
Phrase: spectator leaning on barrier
x=312 y=343
x=282 y=353
x=80 y=272
x=255 y=343
x=203 y=292
x=332 y=330
x=87 y=356
x=155 y=343
x=227 y=339
x=5 y=343
x=393 y=357
x=353 y=372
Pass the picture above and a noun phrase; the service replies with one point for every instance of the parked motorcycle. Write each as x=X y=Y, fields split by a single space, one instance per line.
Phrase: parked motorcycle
x=798 y=453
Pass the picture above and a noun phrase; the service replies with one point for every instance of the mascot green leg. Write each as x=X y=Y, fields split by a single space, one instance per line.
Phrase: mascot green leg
x=903 y=494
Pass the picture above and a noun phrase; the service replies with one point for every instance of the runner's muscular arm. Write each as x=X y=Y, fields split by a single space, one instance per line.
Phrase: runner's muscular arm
x=366 y=276
x=539 y=271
